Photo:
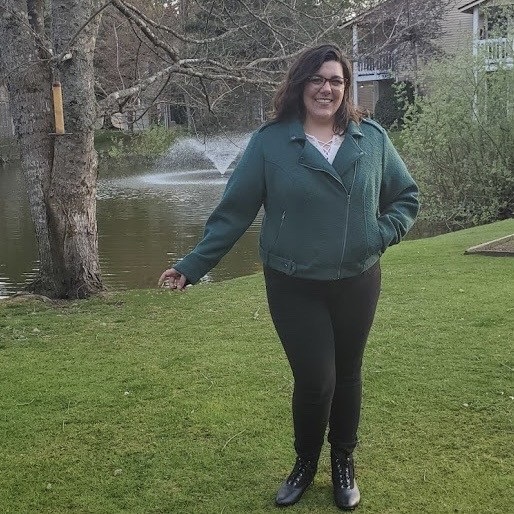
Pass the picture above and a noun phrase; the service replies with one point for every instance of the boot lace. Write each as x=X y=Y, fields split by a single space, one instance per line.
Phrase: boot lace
x=301 y=468
x=344 y=471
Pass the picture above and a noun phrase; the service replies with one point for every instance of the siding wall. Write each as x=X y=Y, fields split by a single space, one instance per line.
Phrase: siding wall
x=456 y=35
x=457 y=30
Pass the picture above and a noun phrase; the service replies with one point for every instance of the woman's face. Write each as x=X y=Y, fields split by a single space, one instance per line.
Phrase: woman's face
x=322 y=100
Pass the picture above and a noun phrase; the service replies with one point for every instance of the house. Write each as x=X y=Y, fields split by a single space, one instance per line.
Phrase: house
x=492 y=31
x=394 y=38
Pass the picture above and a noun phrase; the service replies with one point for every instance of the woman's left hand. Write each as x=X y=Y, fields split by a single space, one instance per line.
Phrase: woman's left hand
x=174 y=278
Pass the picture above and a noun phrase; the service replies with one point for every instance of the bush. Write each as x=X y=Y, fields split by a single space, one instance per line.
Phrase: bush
x=459 y=142
x=151 y=142
x=392 y=104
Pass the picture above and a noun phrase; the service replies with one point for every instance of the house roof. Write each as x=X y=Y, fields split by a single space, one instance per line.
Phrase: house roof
x=468 y=6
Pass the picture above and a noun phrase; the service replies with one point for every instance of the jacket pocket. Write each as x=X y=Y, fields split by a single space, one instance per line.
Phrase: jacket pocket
x=280 y=227
x=375 y=243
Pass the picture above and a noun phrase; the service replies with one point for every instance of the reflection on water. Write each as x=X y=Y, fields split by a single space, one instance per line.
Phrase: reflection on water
x=147 y=218
x=18 y=262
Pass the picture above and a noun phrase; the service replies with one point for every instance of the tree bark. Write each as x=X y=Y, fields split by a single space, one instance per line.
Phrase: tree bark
x=28 y=83
x=60 y=170
x=72 y=191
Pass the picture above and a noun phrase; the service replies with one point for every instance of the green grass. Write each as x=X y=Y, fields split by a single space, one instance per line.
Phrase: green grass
x=158 y=402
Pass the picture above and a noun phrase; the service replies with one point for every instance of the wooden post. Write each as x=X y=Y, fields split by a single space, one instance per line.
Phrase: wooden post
x=476 y=29
x=58 y=109
x=355 y=56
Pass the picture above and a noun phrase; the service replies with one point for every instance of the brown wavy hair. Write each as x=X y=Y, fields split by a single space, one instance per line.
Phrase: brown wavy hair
x=288 y=100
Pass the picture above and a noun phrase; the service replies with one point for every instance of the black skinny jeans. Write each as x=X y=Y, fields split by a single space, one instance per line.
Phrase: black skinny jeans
x=323 y=327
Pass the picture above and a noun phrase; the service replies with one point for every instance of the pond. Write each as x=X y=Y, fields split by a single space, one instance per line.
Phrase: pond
x=148 y=216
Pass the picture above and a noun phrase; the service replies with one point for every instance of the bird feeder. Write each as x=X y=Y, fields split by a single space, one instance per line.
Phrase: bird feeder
x=58 y=109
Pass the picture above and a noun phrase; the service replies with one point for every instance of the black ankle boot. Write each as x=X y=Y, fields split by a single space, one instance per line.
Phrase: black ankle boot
x=297 y=482
x=346 y=492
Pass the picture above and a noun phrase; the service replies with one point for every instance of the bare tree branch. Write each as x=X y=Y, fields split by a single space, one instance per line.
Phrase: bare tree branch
x=172 y=52
x=118 y=54
x=143 y=42
x=261 y=20
x=111 y=100
x=292 y=55
x=179 y=36
x=206 y=95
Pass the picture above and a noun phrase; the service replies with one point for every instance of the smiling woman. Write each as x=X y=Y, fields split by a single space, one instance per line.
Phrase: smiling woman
x=336 y=195
x=322 y=97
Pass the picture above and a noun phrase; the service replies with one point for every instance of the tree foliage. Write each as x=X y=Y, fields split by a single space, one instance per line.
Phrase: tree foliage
x=459 y=139
x=393 y=103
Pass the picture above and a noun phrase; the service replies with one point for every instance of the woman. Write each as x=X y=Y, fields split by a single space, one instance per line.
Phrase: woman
x=336 y=194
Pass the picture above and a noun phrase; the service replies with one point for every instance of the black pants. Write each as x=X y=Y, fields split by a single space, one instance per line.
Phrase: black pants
x=323 y=327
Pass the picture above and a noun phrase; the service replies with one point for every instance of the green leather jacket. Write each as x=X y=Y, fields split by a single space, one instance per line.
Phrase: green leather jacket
x=322 y=221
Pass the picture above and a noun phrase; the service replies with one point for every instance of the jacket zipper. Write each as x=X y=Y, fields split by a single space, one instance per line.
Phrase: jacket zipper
x=348 y=196
x=347 y=220
x=345 y=236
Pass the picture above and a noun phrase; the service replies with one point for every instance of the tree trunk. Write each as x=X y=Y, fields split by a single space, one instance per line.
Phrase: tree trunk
x=28 y=83
x=60 y=169
x=72 y=192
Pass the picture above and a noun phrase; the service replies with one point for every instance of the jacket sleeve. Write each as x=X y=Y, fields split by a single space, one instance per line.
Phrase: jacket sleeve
x=240 y=203
x=399 y=203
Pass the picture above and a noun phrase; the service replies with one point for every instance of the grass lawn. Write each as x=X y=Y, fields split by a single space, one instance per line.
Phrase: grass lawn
x=159 y=402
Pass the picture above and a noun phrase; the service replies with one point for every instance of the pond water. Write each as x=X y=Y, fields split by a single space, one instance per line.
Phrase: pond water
x=148 y=216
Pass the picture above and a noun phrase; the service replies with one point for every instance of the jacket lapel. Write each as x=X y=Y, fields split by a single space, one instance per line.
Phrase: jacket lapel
x=309 y=157
x=312 y=158
x=349 y=152
x=342 y=167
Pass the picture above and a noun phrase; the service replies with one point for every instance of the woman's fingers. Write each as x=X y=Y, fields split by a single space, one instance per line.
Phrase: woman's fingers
x=173 y=278
x=181 y=283
x=164 y=277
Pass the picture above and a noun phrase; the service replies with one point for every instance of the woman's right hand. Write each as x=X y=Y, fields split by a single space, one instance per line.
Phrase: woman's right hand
x=173 y=279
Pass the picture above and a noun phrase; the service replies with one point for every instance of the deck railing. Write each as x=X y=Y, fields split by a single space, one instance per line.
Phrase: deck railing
x=496 y=51
x=378 y=66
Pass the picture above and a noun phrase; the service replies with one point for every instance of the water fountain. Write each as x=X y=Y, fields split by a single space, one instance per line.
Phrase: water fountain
x=191 y=159
x=220 y=151
x=188 y=162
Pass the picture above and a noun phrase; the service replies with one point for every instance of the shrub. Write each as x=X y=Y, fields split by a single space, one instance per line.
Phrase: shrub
x=392 y=104
x=148 y=143
x=153 y=141
x=459 y=141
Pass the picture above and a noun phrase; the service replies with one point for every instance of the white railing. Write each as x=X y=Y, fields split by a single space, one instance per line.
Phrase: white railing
x=376 y=67
x=496 y=51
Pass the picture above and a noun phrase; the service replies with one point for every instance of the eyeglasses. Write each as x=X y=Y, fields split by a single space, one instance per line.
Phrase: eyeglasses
x=319 y=81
